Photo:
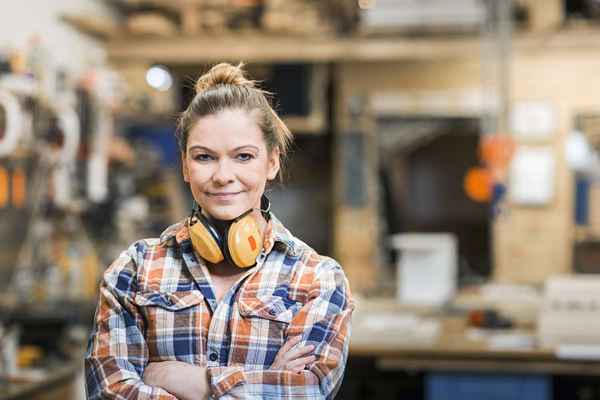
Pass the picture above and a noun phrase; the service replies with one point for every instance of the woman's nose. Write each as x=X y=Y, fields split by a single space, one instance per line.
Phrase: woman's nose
x=223 y=174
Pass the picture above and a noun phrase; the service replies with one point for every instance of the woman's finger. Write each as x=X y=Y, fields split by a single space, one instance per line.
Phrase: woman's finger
x=299 y=352
x=285 y=358
x=285 y=354
x=289 y=344
x=300 y=363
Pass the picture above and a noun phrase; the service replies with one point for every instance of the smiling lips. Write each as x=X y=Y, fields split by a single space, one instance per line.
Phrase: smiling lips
x=223 y=195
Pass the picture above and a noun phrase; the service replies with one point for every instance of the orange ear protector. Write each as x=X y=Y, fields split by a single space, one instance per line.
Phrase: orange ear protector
x=239 y=244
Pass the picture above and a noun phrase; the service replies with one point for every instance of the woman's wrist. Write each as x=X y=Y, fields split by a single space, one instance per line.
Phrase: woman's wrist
x=184 y=381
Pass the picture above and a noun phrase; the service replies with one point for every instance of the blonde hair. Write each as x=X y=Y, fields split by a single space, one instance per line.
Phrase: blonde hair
x=226 y=87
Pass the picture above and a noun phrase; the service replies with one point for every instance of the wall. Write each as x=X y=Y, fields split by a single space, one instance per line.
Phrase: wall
x=529 y=244
x=356 y=229
x=20 y=20
x=532 y=243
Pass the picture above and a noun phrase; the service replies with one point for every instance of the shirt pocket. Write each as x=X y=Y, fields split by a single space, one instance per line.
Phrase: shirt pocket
x=269 y=308
x=262 y=330
x=175 y=324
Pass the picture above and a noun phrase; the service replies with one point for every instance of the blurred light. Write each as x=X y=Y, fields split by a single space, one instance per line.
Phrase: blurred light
x=366 y=4
x=159 y=78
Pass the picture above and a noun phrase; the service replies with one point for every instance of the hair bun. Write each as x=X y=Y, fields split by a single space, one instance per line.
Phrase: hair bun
x=223 y=74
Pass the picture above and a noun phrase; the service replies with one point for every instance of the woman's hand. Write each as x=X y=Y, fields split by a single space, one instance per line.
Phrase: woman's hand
x=293 y=360
x=184 y=381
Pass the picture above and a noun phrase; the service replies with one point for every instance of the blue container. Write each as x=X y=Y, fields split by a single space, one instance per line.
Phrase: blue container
x=582 y=200
x=474 y=386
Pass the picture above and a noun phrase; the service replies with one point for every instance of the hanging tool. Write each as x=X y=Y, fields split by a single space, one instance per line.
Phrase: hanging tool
x=68 y=122
x=13 y=123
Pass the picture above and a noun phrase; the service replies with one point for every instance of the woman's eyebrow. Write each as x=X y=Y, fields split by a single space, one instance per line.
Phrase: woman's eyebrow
x=255 y=148
x=198 y=147
x=204 y=148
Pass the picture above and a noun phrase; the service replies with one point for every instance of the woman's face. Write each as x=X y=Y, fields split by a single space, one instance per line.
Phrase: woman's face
x=227 y=163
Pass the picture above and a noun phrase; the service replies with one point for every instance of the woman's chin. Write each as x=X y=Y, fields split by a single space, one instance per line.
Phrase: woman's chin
x=225 y=213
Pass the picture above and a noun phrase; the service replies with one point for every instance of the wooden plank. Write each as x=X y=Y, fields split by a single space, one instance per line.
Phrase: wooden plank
x=259 y=48
x=182 y=50
x=356 y=221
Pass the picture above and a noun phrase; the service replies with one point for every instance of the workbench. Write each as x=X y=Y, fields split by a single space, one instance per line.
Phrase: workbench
x=458 y=362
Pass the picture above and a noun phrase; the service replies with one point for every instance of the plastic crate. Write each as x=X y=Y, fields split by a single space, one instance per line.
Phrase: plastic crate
x=473 y=386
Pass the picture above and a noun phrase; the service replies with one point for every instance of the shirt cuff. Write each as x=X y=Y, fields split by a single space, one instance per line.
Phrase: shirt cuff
x=223 y=379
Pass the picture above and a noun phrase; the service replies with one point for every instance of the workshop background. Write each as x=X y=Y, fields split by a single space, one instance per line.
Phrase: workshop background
x=446 y=153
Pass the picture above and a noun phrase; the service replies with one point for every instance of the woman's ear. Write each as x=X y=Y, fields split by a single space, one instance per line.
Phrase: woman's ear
x=273 y=164
x=184 y=168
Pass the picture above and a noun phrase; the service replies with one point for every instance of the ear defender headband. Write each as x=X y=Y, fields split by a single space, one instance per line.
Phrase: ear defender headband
x=239 y=244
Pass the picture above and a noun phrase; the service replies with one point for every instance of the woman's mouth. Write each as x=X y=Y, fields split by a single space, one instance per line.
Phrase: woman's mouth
x=223 y=195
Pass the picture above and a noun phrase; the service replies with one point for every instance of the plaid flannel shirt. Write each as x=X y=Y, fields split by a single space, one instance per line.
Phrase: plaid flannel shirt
x=157 y=304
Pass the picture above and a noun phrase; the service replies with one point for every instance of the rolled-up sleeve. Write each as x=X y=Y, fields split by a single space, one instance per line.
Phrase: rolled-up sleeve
x=324 y=322
x=117 y=351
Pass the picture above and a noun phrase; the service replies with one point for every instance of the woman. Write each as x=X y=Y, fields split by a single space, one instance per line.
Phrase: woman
x=227 y=303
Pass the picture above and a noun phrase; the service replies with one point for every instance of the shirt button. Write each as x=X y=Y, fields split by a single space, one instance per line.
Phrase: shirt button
x=213 y=357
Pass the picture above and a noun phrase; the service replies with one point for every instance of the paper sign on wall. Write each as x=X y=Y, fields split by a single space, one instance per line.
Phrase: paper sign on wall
x=532 y=176
x=533 y=120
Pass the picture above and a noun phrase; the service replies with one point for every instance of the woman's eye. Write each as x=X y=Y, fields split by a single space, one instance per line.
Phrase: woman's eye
x=245 y=156
x=202 y=157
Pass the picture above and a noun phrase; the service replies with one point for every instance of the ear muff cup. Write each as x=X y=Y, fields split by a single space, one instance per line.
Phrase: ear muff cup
x=239 y=244
x=206 y=240
x=244 y=241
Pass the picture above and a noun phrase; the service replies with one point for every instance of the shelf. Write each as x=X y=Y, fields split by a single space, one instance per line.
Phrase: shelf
x=189 y=50
x=254 y=47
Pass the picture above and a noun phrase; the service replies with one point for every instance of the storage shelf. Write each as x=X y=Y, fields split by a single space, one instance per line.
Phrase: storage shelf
x=254 y=46
x=186 y=50
x=189 y=50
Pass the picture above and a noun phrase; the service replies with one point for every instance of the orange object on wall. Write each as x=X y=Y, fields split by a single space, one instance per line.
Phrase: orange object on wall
x=4 y=186
x=496 y=151
x=478 y=184
x=19 y=188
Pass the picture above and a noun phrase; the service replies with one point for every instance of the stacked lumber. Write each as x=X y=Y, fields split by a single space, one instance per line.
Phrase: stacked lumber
x=295 y=17
x=168 y=18
x=191 y=17
x=151 y=23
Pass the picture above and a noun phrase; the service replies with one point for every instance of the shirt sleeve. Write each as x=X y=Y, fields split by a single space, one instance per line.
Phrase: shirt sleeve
x=117 y=352
x=324 y=321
